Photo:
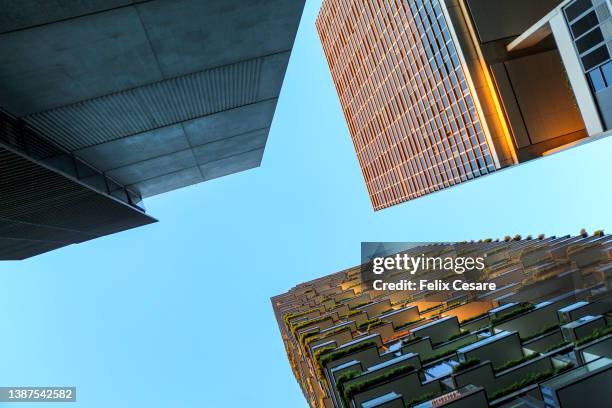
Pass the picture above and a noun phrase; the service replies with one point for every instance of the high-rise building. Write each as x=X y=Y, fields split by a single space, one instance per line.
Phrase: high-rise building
x=438 y=92
x=105 y=103
x=542 y=336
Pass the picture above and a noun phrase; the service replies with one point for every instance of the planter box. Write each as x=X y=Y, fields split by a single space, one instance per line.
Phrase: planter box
x=376 y=308
x=483 y=375
x=601 y=347
x=585 y=386
x=365 y=297
x=544 y=342
x=498 y=349
x=347 y=294
x=385 y=331
x=439 y=330
x=532 y=321
x=407 y=384
x=582 y=327
x=322 y=325
x=373 y=371
x=583 y=308
x=476 y=324
x=390 y=400
x=336 y=372
x=340 y=338
x=401 y=316
x=469 y=310
x=421 y=347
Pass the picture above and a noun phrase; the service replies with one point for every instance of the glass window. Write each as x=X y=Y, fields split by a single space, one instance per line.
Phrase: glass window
x=578 y=7
x=589 y=40
x=597 y=80
x=584 y=24
x=595 y=57
x=606 y=70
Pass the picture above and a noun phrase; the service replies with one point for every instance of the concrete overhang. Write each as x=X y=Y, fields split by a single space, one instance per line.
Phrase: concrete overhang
x=537 y=32
x=554 y=23
x=49 y=199
x=138 y=97
x=157 y=94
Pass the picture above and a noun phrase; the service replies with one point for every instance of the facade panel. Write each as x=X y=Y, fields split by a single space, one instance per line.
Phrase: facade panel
x=405 y=95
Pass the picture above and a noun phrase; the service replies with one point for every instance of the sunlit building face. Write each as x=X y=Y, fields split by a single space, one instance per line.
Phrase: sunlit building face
x=405 y=96
x=438 y=92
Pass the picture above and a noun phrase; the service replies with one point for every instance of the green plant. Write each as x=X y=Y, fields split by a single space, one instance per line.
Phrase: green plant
x=421 y=398
x=361 y=386
x=297 y=326
x=457 y=335
x=375 y=324
x=438 y=356
x=367 y=323
x=474 y=318
x=465 y=365
x=318 y=336
x=516 y=362
x=545 y=330
x=556 y=346
x=386 y=311
x=524 y=307
x=430 y=308
x=409 y=323
x=453 y=337
x=290 y=316
x=328 y=357
x=358 y=305
x=341 y=380
x=413 y=340
x=317 y=359
x=447 y=352
x=335 y=308
x=354 y=312
x=530 y=379
x=597 y=333
x=304 y=337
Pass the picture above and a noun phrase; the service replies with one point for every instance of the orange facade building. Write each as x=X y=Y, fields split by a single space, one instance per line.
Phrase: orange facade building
x=405 y=97
x=433 y=95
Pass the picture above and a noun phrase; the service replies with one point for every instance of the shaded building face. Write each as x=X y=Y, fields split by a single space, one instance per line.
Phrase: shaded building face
x=405 y=96
x=106 y=103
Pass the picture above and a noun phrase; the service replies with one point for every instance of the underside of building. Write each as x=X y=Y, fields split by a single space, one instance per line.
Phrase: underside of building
x=151 y=95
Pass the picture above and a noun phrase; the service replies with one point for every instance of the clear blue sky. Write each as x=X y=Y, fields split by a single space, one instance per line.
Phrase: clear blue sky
x=177 y=314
